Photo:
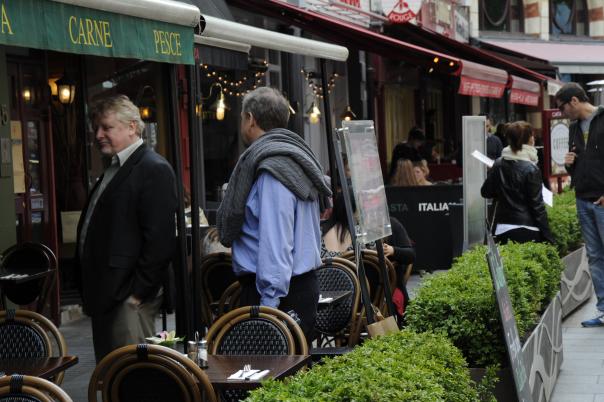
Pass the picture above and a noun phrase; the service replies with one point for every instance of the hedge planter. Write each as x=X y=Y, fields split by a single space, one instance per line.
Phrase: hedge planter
x=575 y=287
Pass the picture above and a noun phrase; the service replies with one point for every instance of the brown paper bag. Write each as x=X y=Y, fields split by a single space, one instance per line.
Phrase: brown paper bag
x=382 y=326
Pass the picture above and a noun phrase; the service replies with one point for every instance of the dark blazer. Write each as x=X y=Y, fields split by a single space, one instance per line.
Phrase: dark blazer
x=131 y=234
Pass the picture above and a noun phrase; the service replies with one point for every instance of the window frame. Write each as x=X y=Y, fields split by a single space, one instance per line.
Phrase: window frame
x=574 y=19
x=482 y=17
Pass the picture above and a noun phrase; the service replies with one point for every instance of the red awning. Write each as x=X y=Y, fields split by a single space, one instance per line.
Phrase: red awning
x=433 y=40
x=479 y=80
x=524 y=92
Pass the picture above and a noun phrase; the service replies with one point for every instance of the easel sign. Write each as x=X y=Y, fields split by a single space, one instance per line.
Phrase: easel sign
x=508 y=322
x=367 y=181
x=371 y=207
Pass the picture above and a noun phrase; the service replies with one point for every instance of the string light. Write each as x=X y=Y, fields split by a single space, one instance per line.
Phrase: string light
x=317 y=89
x=235 y=87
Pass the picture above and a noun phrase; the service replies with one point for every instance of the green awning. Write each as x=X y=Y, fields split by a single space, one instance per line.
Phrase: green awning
x=67 y=28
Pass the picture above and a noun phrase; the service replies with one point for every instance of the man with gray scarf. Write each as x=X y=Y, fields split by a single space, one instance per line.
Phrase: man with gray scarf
x=270 y=213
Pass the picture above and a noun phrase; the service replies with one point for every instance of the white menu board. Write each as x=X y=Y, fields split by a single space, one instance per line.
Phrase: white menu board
x=367 y=180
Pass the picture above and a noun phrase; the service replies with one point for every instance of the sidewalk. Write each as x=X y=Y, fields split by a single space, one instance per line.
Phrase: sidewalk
x=582 y=374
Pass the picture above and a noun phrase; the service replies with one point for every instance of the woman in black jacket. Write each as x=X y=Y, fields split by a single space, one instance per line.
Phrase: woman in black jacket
x=515 y=184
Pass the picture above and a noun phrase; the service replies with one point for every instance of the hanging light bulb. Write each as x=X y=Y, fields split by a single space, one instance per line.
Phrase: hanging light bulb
x=348 y=114
x=220 y=107
x=314 y=113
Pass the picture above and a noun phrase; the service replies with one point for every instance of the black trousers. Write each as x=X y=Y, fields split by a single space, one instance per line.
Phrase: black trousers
x=303 y=298
x=519 y=235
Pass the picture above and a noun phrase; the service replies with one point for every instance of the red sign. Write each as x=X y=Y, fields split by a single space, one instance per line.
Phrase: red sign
x=524 y=97
x=476 y=87
x=354 y=3
x=401 y=11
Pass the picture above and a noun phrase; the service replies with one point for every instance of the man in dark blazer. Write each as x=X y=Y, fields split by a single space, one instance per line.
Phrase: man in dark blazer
x=126 y=234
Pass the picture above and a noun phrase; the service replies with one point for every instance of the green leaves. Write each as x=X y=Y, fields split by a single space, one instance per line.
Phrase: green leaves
x=564 y=223
x=405 y=366
x=461 y=302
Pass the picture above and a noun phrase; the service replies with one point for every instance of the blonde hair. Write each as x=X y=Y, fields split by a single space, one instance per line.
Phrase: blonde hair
x=403 y=175
x=125 y=111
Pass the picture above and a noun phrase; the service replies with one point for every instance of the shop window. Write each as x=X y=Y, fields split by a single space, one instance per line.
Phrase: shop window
x=569 y=17
x=501 y=15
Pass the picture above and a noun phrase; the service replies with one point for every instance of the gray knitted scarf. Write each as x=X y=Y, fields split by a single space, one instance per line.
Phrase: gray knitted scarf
x=284 y=155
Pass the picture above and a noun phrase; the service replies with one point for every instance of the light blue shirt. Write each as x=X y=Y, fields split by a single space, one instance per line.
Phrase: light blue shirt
x=280 y=238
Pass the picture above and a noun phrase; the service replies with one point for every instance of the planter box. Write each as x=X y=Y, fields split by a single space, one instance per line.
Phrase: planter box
x=575 y=285
x=542 y=353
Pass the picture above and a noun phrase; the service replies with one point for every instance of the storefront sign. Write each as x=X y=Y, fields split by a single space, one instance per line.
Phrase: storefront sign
x=400 y=11
x=355 y=11
x=475 y=87
x=524 y=97
x=62 y=27
x=418 y=208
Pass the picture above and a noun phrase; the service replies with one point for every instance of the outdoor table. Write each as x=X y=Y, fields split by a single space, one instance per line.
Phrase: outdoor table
x=332 y=297
x=220 y=367
x=44 y=367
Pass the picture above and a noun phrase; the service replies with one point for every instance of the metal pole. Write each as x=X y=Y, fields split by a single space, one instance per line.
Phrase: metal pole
x=328 y=128
x=180 y=265
x=196 y=175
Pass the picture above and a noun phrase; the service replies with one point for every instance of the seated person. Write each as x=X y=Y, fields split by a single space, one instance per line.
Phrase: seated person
x=336 y=239
x=403 y=174
x=421 y=172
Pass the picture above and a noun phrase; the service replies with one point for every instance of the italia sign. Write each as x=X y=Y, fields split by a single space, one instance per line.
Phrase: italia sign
x=400 y=11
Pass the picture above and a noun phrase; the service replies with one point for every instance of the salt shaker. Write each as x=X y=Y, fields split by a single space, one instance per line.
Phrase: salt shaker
x=202 y=354
x=192 y=350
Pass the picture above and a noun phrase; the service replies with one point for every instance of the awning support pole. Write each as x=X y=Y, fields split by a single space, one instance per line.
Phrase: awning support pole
x=329 y=129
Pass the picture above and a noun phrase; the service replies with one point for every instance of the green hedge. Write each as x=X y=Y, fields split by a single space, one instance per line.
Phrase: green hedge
x=405 y=366
x=564 y=224
x=461 y=302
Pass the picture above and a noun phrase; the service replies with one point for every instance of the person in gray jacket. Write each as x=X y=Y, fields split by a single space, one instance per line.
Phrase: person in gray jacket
x=585 y=163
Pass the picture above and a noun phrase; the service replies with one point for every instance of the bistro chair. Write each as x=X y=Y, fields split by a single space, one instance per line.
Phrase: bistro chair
x=335 y=320
x=148 y=373
x=30 y=259
x=254 y=330
x=216 y=276
x=375 y=277
x=24 y=388
x=27 y=334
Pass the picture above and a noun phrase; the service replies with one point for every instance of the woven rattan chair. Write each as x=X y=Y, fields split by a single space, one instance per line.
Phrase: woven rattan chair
x=334 y=321
x=29 y=258
x=26 y=334
x=23 y=388
x=216 y=276
x=255 y=330
x=148 y=373
x=374 y=276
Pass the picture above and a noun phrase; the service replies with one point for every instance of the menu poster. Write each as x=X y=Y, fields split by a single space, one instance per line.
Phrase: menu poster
x=508 y=322
x=367 y=180
x=17 y=154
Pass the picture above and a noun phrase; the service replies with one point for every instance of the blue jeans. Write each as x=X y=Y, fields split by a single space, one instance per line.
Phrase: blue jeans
x=591 y=219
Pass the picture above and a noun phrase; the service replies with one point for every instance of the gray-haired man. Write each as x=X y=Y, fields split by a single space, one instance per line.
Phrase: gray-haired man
x=270 y=214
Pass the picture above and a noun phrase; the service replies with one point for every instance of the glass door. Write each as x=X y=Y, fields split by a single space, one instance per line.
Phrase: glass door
x=31 y=148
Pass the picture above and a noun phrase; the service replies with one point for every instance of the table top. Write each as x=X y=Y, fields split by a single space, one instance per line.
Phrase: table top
x=44 y=367
x=221 y=366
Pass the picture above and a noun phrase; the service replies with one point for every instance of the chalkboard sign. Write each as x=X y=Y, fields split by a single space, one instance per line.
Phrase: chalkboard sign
x=508 y=322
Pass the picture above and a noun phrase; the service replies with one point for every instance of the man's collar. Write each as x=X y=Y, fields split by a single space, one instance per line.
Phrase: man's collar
x=125 y=153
